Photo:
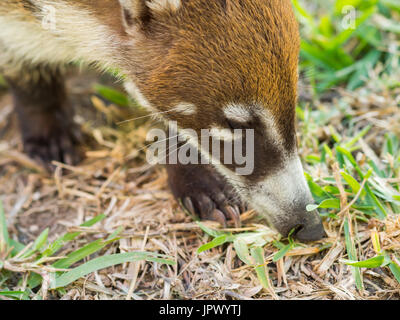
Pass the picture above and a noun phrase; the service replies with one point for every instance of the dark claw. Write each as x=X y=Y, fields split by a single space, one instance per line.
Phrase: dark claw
x=205 y=206
x=236 y=210
x=234 y=215
x=218 y=216
x=188 y=204
x=238 y=222
x=242 y=208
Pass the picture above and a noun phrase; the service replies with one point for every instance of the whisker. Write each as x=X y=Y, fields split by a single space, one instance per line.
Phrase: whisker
x=147 y=116
x=146 y=146
x=144 y=117
x=167 y=151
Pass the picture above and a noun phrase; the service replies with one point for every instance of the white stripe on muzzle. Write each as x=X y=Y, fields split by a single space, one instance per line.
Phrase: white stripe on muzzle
x=282 y=193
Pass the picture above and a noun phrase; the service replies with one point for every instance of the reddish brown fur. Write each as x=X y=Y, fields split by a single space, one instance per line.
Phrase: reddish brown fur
x=210 y=56
x=212 y=53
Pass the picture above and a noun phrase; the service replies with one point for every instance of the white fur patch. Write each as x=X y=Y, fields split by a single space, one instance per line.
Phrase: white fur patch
x=271 y=128
x=186 y=109
x=133 y=6
x=243 y=113
x=237 y=112
x=279 y=193
x=288 y=184
x=162 y=5
x=136 y=94
x=75 y=35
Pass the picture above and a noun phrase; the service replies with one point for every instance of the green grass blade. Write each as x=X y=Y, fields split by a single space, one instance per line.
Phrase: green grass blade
x=326 y=204
x=379 y=208
x=357 y=138
x=17 y=247
x=35 y=279
x=80 y=254
x=365 y=65
x=216 y=242
x=102 y=263
x=4 y=236
x=318 y=193
x=242 y=250
x=112 y=95
x=303 y=13
x=351 y=252
x=209 y=231
x=16 y=295
x=60 y=242
x=41 y=240
x=395 y=270
x=374 y=262
x=257 y=253
x=281 y=253
x=38 y=244
x=353 y=183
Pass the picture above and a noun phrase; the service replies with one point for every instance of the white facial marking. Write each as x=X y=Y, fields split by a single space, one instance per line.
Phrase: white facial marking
x=135 y=93
x=271 y=129
x=242 y=113
x=288 y=183
x=186 y=109
x=281 y=192
x=237 y=112
x=161 y=5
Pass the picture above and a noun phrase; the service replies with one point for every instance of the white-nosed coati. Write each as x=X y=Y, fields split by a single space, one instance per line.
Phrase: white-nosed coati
x=202 y=63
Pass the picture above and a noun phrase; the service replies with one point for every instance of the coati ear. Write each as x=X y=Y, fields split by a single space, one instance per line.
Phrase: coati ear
x=134 y=12
x=138 y=12
x=162 y=5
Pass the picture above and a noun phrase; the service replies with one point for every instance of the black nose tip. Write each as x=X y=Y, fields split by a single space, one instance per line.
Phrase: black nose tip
x=307 y=226
x=310 y=232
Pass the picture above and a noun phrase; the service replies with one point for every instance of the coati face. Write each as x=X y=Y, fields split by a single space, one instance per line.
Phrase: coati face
x=228 y=64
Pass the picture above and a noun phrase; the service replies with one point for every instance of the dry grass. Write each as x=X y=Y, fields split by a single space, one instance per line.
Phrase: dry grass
x=116 y=181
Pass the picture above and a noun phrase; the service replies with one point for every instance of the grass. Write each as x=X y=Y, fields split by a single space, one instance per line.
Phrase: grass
x=336 y=50
x=41 y=266
x=348 y=193
x=350 y=147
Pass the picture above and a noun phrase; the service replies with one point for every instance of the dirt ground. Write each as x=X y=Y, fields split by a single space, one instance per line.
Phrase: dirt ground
x=115 y=180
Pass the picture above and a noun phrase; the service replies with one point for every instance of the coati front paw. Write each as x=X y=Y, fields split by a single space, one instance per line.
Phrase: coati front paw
x=45 y=117
x=201 y=190
x=50 y=137
x=55 y=145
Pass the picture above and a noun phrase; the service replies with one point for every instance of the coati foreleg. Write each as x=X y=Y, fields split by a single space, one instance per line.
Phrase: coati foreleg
x=45 y=118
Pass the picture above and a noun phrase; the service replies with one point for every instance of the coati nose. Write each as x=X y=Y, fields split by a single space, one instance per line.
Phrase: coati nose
x=309 y=228
x=311 y=233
